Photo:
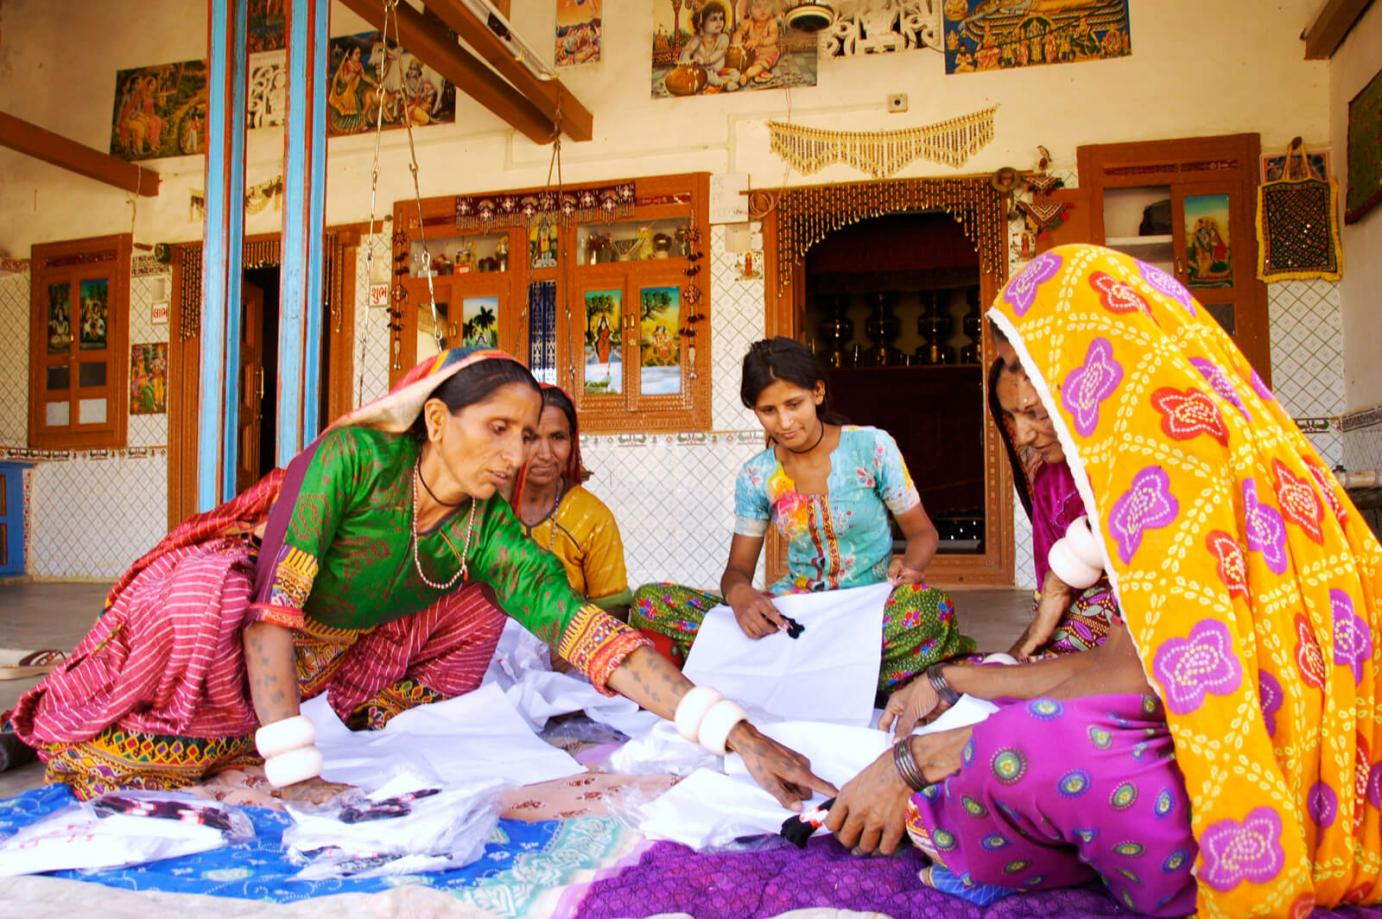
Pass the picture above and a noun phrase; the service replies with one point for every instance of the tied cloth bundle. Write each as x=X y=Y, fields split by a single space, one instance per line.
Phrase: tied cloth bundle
x=1298 y=223
x=883 y=153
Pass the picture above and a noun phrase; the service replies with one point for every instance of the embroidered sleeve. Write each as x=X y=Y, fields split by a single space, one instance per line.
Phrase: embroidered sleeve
x=893 y=482
x=317 y=511
x=596 y=643
x=752 y=510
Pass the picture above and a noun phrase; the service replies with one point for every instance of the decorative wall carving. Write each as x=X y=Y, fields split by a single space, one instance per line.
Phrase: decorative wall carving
x=883 y=27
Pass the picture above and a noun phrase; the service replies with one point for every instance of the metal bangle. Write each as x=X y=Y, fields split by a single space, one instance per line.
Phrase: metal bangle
x=906 y=765
x=942 y=686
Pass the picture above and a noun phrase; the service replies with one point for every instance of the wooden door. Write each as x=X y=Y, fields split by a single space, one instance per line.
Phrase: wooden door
x=251 y=420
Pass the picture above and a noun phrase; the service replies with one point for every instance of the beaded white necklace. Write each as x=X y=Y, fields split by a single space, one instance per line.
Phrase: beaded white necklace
x=469 y=529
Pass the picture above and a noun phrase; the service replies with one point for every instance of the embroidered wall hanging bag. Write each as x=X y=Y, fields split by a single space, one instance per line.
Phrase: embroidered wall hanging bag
x=1298 y=223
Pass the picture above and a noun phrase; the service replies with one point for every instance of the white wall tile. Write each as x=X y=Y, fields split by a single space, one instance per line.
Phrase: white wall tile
x=14 y=359
x=1308 y=356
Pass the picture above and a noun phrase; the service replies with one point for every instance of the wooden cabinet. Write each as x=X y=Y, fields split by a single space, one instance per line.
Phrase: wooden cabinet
x=615 y=311
x=1186 y=206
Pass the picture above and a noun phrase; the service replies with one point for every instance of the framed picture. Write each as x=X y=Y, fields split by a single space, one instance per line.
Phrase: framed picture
x=1364 y=150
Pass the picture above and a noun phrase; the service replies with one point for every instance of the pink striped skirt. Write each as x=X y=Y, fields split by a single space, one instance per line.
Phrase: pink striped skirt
x=156 y=696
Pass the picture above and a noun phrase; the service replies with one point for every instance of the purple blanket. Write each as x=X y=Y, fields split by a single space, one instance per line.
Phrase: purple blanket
x=746 y=885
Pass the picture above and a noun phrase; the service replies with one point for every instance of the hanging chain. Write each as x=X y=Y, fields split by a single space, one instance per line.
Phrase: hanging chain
x=438 y=332
x=390 y=9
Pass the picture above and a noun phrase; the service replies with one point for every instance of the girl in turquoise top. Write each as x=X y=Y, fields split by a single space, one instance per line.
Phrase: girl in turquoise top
x=829 y=489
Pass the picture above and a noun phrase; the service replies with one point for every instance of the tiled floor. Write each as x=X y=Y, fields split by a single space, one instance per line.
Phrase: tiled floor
x=34 y=616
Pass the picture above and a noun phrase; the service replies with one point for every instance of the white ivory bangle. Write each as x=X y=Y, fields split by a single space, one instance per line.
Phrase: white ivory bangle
x=282 y=736
x=692 y=708
x=293 y=766
x=717 y=724
x=1083 y=543
x=1068 y=567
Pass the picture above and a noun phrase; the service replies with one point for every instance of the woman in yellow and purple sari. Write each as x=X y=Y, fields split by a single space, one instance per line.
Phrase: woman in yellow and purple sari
x=1221 y=751
x=385 y=571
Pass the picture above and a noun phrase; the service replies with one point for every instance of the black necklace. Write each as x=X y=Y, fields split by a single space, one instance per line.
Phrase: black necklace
x=428 y=488
x=790 y=450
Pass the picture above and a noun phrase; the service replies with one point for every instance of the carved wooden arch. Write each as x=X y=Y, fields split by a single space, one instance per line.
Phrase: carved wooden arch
x=795 y=219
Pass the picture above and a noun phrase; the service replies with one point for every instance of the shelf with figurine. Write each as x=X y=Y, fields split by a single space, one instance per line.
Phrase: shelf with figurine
x=451 y=255
x=633 y=241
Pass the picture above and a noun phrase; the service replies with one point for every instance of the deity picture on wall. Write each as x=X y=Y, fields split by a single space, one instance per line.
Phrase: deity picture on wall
x=717 y=46
x=159 y=111
x=356 y=94
x=659 y=338
x=1209 y=250
x=604 y=369
x=95 y=297
x=149 y=379
x=990 y=35
x=578 y=31
x=59 y=318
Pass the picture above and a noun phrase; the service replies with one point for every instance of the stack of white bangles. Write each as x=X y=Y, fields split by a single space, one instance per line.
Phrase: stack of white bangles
x=1076 y=558
x=289 y=748
x=706 y=717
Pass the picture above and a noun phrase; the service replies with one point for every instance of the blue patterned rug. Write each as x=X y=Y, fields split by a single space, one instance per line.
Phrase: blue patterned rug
x=521 y=861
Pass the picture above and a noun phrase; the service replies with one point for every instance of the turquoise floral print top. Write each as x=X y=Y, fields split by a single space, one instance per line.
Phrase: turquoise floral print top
x=839 y=539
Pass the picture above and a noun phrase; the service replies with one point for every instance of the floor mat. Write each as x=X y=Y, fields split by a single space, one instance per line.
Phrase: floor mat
x=671 y=878
x=524 y=863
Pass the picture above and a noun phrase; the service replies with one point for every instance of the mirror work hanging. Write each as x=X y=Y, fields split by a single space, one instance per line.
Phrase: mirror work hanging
x=1298 y=223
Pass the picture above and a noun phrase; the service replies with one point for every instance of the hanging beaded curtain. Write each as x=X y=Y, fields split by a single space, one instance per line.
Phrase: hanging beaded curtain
x=542 y=330
x=882 y=153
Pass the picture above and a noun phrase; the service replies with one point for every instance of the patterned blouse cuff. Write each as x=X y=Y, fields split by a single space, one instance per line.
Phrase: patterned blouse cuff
x=901 y=504
x=596 y=644
x=750 y=526
x=285 y=616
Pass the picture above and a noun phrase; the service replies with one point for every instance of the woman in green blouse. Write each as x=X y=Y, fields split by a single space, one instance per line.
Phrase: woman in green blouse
x=376 y=568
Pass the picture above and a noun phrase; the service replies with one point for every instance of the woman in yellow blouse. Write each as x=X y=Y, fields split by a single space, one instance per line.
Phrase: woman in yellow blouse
x=562 y=517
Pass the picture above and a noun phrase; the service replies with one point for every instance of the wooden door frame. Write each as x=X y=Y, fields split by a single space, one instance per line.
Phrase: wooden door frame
x=795 y=219
x=184 y=347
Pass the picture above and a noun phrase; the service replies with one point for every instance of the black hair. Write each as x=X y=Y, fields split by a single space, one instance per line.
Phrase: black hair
x=785 y=359
x=712 y=6
x=554 y=397
x=473 y=384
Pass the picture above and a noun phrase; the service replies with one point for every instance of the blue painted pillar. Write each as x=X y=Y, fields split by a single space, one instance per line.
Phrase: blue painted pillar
x=304 y=223
x=217 y=407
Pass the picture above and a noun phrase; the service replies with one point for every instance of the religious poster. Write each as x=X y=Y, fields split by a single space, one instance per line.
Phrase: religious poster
x=659 y=337
x=159 y=111
x=149 y=379
x=357 y=95
x=578 y=31
x=992 y=35
x=267 y=25
x=720 y=46
x=603 y=318
x=1209 y=249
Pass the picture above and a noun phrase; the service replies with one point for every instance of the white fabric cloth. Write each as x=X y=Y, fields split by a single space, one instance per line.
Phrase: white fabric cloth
x=454 y=743
x=75 y=838
x=521 y=667
x=829 y=673
x=444 y=830
x=708 y=809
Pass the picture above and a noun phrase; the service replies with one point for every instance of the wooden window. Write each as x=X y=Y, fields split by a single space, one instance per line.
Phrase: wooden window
x=631 y=306
x=79 y=343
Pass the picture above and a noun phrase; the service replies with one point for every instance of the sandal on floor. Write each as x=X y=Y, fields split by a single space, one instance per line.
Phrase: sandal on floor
x=37 y=663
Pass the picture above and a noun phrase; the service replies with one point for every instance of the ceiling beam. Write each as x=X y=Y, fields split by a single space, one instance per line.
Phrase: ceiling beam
x=42 y=144
x=1331 y=26
x=550 y=96
x=437 y=49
